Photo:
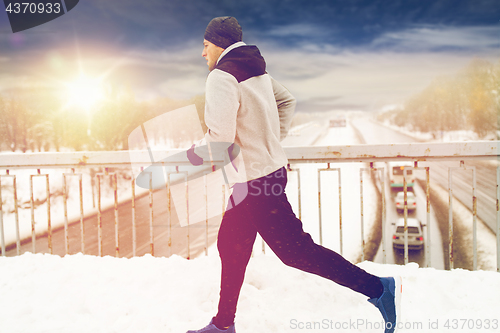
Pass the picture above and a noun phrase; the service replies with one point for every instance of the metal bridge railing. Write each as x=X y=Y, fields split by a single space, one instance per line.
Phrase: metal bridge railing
x=102 y=165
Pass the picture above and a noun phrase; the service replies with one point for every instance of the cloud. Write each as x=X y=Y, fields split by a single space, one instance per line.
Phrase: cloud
x=365 y=78
x=393 y=67
x=296 y=35
x=328 y=56
x=326 y=77
x=304 y=30
x=435 y=38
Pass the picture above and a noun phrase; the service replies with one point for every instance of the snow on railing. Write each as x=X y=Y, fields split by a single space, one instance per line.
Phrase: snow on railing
x=120 y=167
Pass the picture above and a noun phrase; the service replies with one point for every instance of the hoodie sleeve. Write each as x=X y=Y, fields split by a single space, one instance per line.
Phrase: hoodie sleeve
x=221 y=106
x=286 y=107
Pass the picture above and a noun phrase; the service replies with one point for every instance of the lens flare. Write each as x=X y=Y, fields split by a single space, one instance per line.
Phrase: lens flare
x=85 y=92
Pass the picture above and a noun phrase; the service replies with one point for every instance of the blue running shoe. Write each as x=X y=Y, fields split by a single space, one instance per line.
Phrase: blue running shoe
x=389 y=302
x=211 y=328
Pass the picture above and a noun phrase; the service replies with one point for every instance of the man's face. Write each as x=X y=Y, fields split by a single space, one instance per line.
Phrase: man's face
x=211 y=52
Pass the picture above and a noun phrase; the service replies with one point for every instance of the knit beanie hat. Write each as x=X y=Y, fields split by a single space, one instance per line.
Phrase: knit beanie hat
x=223 y=31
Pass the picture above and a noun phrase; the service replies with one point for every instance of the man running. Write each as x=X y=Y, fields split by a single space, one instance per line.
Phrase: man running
x=244 y=105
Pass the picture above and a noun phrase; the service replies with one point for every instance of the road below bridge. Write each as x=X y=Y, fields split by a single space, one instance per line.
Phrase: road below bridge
x=462 y=186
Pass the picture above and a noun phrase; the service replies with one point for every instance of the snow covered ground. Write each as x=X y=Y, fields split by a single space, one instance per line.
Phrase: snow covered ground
x=442 y=136
x=77 y=293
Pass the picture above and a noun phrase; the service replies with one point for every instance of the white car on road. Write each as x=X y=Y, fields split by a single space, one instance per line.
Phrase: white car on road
x=410 y=200
x=415 y=234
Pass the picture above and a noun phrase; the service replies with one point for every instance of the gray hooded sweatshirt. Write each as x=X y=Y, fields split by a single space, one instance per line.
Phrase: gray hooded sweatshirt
x=246 y=106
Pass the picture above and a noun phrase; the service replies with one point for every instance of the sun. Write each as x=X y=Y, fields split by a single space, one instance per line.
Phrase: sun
x=84 y=92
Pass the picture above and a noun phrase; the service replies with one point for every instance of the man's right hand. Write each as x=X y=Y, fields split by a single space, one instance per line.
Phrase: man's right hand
x=193 y=158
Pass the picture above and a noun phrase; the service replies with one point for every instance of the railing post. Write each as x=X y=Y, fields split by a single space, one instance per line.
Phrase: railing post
x=341 y=236
x=82 y=227
x=205 y=194
x=405 y=190
x=169 y=215
x=151 y=216
x=299 y=201
x=384 y=215
x=498 y=220
x=117 y=223
x=373 y=169
x=362 y=216
x=16 y=209
x=32 y=204
x=65 y=199
x=428 y=211
x=2 y=235
x=99 y=211
x=187 y=220
x=450 y=219
x=99 y=217
x=340 y=204
x=134 y=217
x=319 y=209
x=49 y=222
x=474 y=218
x=474 y=214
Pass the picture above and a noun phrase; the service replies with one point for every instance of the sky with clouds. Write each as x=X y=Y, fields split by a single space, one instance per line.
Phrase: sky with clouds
x=331 y=54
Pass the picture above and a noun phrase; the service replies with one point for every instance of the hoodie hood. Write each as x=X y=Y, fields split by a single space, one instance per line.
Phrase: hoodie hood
x=243 y=63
